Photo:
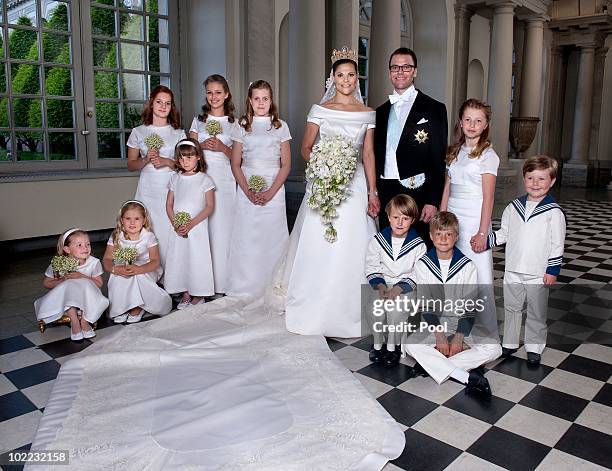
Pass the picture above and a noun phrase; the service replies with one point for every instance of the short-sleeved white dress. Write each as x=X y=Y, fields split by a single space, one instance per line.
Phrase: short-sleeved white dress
x=220 y=221
x=465 y=201
x=189 y=263
x=260 y=233
x=142 y=291
x=153 y=182
x=81 y=293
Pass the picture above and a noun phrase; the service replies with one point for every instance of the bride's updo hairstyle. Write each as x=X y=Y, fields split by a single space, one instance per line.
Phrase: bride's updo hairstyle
x=247 y=119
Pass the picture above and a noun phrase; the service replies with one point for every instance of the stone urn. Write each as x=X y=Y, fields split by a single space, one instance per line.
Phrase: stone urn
x=522 y=132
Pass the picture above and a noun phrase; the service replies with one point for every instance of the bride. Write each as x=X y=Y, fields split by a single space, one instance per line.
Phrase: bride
x=323 y=279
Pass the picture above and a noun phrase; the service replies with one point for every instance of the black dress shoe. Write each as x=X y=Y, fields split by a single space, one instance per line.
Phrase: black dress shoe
x=377 y=356
x=507 y=352
x=393 y=358
x=478 y=385
x=533 y=359
x=417 y=370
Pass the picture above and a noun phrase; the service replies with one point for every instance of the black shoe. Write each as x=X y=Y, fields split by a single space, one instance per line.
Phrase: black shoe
x=393 y=358
x=533 y=359
x=378 y=356
x=507 y=352
x=417 y=370
x=478 y=385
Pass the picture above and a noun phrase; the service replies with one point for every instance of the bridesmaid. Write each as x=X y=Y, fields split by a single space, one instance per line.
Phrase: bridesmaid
x=161 y=117
x=261 y=148
x=218 y=107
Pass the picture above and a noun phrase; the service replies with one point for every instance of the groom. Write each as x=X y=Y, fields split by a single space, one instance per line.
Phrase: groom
x=410 y=143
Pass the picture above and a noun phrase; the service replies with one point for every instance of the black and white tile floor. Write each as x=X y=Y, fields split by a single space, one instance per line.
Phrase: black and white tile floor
x=557 y=416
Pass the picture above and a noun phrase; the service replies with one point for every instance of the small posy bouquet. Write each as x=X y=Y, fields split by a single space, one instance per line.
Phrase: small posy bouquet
x=154 y=141
x=125 y=255
x=331 y=167
x=180 y=219
x=213 y=128
x=257 y=183
x=62 y=264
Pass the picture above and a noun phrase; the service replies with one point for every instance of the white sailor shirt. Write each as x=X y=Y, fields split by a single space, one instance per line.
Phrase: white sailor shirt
x=382 y=267
x=534 y=242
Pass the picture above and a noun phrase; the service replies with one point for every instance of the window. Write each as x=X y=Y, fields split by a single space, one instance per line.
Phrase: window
x=73 y=79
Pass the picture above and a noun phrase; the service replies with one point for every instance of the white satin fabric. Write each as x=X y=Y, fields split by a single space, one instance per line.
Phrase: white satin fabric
x=215 y=386
x=323 y=280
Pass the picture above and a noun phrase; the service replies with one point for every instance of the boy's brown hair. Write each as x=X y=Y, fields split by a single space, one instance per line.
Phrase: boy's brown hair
x=444 y=221
x=404 y=204
x=541 y=162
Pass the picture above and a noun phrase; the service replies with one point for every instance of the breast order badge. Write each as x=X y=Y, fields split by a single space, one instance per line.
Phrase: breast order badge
x=421 y=136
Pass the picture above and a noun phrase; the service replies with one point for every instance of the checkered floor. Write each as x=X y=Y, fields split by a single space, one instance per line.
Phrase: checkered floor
x=555 y=416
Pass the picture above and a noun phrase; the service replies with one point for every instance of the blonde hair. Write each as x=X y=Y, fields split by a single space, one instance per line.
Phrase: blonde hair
x=247 y=119
x=404 y=204
x=64 y=240
x=444 y=221
x=131 y=204
x=459 y=137
x=541 y=162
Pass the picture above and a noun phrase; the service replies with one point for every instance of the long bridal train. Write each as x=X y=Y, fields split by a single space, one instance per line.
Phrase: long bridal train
x=216 y=386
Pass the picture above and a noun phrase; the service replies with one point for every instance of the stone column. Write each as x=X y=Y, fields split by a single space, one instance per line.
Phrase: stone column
x=552 y=123
x=307 y=64
x=463 y=18
x=531 y=83
x=500 y=77
x=584 y=103
x=384 y=39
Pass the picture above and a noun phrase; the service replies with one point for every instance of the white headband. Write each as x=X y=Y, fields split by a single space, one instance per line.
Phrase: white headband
x=68 y=232
x=133 y=201
x=186 y=143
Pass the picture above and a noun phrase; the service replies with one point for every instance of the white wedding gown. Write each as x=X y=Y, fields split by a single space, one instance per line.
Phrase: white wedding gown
x=215 y=386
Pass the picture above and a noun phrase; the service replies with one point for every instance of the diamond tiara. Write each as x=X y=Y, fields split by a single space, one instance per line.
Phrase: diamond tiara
x=344 y=53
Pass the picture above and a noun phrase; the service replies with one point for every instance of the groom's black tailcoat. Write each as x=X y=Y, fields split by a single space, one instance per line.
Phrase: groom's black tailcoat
x=414 y=157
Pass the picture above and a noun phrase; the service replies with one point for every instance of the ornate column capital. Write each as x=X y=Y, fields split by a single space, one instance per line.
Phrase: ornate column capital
x=502 y=6
x=463 y=12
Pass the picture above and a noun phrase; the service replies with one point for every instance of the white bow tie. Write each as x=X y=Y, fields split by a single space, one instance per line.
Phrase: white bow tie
x=403 y=97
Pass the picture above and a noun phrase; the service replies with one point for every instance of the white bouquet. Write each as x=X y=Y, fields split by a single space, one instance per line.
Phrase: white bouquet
x=331 y=167
x=154 y=141
x=213 y=127
x=125 y=255
x=257 y=183
x=62 y=264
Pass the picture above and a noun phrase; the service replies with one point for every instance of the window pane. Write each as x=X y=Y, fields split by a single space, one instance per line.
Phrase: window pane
x=157 y=6
x=61 y=146
x=106 y=85
x=131 y=4
x=56 y=15
x=58 y=81
x=105 y=53
x=109 y=145
x=107 y=115
x=4 y=113
x=131 y=115
x=363 y=67
x=363 y=46
x=56 y=48
x=157 y=30
x=3 y=86
x=5 y=147
x=103 y=21
x=132 y=56
x=1 y=39
x=133 y=86
x=27 y=112
x=22 y=44
x=104 y=2
x=155 y=80
x=25 y=13
x=30 y=146
x=60 y=114
x=131 y=26
x=26 y=79
x=159 y=59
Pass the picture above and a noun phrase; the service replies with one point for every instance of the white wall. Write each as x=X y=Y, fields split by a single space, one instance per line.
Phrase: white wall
x=480 y=43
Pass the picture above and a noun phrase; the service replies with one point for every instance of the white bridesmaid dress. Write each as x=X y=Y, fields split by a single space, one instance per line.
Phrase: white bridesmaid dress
x=323 y=280
x=465 y=201
x=153 y=182
x=142 y=291
x=80 y=293
x=260 y=233
x=189 y=263
x=221 y=220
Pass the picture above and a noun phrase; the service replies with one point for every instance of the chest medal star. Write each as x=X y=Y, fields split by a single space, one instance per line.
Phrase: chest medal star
x=421 y=136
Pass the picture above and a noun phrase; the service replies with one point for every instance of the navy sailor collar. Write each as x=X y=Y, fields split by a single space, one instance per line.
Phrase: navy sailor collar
x=458 y=261
x=411 y=241
x=546 y=204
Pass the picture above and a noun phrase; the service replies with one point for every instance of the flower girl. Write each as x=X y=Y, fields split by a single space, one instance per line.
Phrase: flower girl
x=190 y=202
x=213 y=129
x=132 y=258
x=74 y=278
x=261 y=160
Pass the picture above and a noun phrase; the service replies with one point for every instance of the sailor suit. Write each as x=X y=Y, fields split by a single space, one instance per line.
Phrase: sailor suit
x=390 y=261
x=534 y=233
x=456 y=279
